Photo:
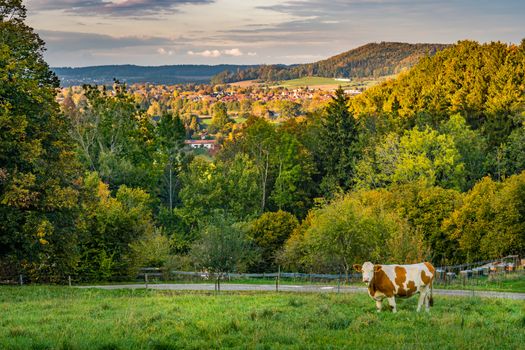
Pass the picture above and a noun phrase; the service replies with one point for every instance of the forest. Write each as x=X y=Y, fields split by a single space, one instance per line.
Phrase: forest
x=370 y=60
x=427 y=166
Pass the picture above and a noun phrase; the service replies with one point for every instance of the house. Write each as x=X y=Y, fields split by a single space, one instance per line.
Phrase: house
x=210 y=145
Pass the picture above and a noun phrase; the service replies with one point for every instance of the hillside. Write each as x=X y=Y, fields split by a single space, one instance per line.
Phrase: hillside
x=173 y=74
x=370 y=60
x=482 y=82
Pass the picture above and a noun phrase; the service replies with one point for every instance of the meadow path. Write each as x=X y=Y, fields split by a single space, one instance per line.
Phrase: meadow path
x=301 y=289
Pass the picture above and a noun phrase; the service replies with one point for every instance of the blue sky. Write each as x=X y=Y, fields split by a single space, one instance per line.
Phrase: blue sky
x=157 y=32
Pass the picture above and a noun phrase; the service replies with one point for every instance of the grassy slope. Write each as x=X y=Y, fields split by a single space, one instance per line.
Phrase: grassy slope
x=330 y=83
x=61 y=317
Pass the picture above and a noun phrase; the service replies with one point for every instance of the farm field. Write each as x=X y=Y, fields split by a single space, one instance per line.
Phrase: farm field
x=42 y=317
x=330 y=83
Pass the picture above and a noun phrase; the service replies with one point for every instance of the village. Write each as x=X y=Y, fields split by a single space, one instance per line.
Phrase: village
x=196 y=105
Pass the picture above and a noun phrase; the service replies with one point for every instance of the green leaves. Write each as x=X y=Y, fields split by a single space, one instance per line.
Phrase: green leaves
x=338 y=141
x=417 y=155
x=38 y=189
x=490 y=222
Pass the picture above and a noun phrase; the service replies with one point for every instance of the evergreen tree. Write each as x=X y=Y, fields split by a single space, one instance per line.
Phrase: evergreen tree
x=338 y=140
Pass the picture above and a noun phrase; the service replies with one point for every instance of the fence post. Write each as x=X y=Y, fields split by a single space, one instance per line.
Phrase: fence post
x=339 y=283
x=277 y=279
x=21 y=280
x=69 y=280
x=146 y=279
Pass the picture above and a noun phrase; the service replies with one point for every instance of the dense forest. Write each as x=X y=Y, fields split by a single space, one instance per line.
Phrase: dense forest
x=430 y=165
x=370 y=60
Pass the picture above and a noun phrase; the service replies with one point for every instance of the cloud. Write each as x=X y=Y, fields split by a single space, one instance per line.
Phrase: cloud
x=235 y=52
x=205 y=53
x=58 y=41
x=163 y=51
x=124 y=8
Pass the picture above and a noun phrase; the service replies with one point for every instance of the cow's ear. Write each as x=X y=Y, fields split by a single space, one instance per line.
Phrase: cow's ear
x=377 y=268
x=357 y=267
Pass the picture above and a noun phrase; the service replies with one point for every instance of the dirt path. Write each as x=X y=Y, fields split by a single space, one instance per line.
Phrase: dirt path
x=302 y=289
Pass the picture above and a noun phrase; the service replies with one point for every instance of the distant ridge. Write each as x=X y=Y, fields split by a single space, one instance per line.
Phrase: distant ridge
x=172 y=74
x=370 y=60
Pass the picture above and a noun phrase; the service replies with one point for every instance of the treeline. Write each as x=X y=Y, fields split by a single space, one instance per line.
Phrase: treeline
x=428 y=166
x=370 y=60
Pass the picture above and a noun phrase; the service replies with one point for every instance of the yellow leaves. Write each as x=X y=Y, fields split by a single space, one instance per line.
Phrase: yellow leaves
x=44 y=229
x=103 y=190
x=19 y=193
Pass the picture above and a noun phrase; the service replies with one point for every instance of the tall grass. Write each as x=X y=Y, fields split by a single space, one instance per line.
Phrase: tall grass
x=69 y=318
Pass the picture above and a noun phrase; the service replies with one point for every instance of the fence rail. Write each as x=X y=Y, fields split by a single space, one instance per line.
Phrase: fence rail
x=444 y=274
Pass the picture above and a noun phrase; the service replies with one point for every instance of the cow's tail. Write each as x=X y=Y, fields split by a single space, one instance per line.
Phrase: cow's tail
x=431 y=299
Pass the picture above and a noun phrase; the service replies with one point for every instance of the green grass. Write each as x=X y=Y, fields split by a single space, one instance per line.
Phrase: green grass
x=309 y=81
x=70 y=318
x=502 y=283
x=331 y=82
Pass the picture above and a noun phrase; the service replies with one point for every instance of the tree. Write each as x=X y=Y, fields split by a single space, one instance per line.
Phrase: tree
x=426 y=208
x=170 y=138
x=219 y=118
x=269 y=232
x=416 y=156
x=227 y=185
x=490 y=223
x=472 y=148
x=258 y=142
x=222 y=247
x=38 y=170
x=338 y=140
x=116 y=138
x=293 y=188
x=108 y=225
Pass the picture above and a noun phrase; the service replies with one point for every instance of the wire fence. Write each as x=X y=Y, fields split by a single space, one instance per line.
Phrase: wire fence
x=468 y=274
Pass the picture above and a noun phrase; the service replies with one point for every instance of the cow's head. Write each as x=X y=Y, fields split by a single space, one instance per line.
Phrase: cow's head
x=367 y=269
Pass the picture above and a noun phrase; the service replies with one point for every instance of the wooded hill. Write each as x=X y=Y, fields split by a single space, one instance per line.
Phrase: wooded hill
x=370 y=60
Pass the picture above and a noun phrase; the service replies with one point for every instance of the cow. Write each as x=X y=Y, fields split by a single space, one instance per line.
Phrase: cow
x=390 y=281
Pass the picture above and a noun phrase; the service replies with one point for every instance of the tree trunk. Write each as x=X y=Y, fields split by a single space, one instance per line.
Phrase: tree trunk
x=264 y=181
x=171 y=184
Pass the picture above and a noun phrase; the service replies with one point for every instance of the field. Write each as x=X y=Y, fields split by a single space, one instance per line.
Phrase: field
x=322 y=83
x=329 y=83
x=69 y=318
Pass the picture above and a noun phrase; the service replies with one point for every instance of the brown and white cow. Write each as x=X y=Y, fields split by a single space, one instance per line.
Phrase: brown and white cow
x=390 y=281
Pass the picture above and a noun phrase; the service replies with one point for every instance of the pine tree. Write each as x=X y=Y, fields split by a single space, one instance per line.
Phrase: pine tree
x=338 y=139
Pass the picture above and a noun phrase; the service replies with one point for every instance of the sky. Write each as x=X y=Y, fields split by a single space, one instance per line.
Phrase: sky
x=160 y=32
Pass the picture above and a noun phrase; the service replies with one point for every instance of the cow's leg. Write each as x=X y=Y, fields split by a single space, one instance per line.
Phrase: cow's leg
x=427 y=300
x=392 y=302
x=422 y=298
x=379 y=305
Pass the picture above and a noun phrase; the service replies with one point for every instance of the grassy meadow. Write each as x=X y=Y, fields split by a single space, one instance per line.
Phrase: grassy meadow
x=330 y=83
x=40 y=317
